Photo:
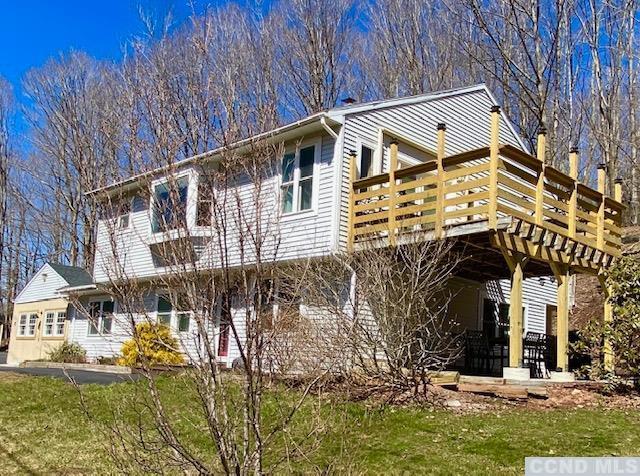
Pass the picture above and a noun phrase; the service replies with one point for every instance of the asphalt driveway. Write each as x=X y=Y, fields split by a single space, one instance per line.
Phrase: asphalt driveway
x=80 y=376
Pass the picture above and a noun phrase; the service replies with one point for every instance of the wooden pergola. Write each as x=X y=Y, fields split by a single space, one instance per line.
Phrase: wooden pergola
x=511 y=213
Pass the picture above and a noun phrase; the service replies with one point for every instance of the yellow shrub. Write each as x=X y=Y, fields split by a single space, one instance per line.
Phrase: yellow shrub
x=154 y=342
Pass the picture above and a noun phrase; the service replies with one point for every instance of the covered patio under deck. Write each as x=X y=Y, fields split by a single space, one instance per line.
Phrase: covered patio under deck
x=511 y=216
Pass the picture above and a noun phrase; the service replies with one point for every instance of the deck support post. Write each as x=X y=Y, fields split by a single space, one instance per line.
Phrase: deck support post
x=602 y=175
x=440 y=181
x=352 y=178
x=393 y=166
x=494 y=150
x=609 y=362
x=562 y=273
x=516 y=262
x=573 y=198
x=541 y=149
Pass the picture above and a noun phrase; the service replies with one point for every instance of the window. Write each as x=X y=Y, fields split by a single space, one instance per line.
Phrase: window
x=101 y=317
x=62 y=316
x=205 y=203
x=122 y=221
x=366 y=162
x=167 y=315
x=33 y=319
x=170 y=205
x=22 y=325
x=54 y=323
x=297 y=179
x=49 y=319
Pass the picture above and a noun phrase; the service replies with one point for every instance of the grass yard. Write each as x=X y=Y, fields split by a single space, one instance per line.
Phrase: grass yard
x=43 y=430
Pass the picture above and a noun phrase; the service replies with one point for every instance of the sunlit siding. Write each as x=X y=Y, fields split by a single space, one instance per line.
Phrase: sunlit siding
x=43 y=285
x=467 y=116
x=299 y=235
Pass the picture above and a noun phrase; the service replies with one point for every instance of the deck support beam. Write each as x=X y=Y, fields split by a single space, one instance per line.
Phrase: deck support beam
x=562 y=274
x=516 y=262
x=609 y=362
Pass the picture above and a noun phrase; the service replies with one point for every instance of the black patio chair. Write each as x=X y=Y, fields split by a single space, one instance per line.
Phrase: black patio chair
x=535 y=349
x=479 y=357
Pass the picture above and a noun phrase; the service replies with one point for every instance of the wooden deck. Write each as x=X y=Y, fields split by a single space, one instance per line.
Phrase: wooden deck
x=527 y=206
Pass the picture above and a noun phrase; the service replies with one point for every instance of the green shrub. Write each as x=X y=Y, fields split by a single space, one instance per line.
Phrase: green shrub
x=70 y=353
x=153 y=343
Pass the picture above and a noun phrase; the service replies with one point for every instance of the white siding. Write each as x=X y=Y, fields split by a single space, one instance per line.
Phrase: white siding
x=300 y=235
x=44 y=285
x=536 y=294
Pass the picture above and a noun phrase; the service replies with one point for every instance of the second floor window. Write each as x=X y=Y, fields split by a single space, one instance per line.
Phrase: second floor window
x=170 y=205
x=297 y=179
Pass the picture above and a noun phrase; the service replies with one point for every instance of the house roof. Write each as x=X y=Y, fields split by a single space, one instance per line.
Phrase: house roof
x=73 y=275
x=324 y=119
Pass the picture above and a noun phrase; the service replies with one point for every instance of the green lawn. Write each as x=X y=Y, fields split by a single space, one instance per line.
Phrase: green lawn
x=43 y=430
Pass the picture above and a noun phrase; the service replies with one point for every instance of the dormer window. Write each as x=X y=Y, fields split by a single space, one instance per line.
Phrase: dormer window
x=170 y=205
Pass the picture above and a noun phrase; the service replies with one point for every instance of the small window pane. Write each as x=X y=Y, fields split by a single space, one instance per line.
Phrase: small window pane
x=107 y=307
x=306 y=193
x=164 y=319
x=287 y=198
x=183 y=321
x=123 y=221
x=306 y=161
x=107 y=321
x=288 y=163
x=164 y=304
x=366 y=161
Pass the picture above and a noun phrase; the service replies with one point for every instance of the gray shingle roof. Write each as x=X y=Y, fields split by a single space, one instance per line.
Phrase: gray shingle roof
x=73 y=275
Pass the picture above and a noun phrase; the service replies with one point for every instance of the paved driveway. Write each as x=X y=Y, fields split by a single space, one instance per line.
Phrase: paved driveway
x=80 y=376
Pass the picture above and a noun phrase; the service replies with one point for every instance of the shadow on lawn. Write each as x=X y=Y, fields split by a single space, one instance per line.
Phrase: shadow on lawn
x=11 y=456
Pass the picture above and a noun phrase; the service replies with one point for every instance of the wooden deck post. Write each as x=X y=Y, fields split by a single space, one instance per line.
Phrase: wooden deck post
x=573 y=198
x=440 y=181
x=540 y=153
x=393 y=166
x=602 y=177
x=516 y=262
x=609 y=362
x=617 y=190
x=352 y=178
x=562 y=274
x=494 y=149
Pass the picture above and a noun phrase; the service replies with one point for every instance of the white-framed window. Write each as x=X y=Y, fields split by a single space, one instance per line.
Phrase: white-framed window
x=299 y=178
x=33 y=321
x=169 y=209
x=100 y=317
x=54 y=323
x=175 y=317
x=23 y=324
x=49 y=321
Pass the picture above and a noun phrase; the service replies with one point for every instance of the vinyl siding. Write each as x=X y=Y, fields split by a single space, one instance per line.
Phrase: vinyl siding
x=300 y=235
x=44 y=285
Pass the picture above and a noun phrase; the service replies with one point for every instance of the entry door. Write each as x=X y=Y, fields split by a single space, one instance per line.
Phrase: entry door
x=551 y=318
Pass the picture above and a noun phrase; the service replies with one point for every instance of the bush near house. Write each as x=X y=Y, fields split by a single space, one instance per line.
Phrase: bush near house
x=623 y=279
x=68 y=353
x=152 y=343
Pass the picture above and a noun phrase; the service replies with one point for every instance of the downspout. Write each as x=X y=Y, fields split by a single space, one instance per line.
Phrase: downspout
x=331 y=132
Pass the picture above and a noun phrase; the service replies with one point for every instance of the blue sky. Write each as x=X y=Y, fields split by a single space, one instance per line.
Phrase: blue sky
x=31 y=31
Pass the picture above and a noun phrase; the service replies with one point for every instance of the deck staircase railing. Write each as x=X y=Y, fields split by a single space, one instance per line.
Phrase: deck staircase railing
x=484 y=184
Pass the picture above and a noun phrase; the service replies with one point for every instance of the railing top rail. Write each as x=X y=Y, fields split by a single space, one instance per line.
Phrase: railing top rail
x=466 y=156
x=417 y=169
x=520 y=156
x=370 y=181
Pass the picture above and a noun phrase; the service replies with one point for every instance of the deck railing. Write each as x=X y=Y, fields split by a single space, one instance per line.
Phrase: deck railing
x=488 y=183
